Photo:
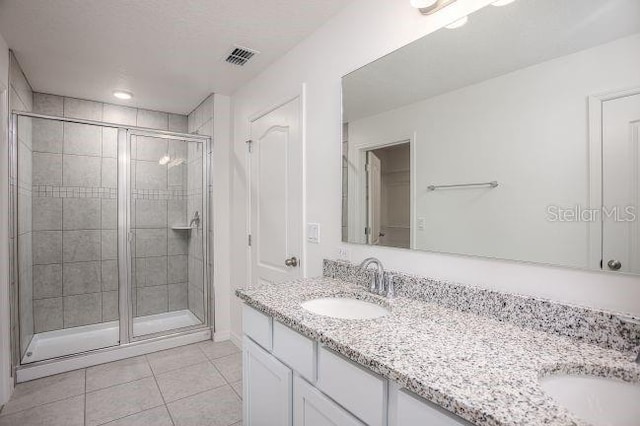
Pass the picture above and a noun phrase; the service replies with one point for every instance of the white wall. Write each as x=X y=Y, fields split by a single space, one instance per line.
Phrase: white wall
x=5 y=351
x=526 y=129
x=362 y=32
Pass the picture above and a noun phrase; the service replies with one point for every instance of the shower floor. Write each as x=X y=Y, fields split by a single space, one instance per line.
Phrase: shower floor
x=68 y=341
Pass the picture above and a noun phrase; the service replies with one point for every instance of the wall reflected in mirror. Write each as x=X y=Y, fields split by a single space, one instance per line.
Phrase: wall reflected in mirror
x=515 y=137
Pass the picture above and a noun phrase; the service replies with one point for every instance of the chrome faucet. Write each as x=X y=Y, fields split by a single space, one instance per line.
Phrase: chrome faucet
x=381 y=283
x=196 y=220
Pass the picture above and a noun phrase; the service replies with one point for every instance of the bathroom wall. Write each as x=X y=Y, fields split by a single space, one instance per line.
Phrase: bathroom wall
x=318 y=63
x=21 y=98
x=510 y=223
x=75 y=215
x=213 y=118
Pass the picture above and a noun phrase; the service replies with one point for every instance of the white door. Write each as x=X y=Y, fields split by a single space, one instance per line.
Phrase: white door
x=276 y=195
x=267 y=386
x=312 y=408
x=621 y=184
x=374 y=195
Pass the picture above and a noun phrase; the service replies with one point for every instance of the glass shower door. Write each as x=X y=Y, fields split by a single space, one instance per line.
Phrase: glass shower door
x=167 y=223
x=66 y=225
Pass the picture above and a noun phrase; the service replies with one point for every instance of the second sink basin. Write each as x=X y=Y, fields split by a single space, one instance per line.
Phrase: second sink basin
x=345 y=308
x=598 y=400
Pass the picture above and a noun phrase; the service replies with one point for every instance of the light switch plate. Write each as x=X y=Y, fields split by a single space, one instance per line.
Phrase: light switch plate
x=313 y=232
x=421 y=224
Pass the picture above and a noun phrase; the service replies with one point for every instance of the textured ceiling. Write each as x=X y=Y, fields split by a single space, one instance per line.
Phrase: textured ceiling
x=169 y=53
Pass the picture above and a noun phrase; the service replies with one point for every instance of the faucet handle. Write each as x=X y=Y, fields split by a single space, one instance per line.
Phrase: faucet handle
x=389 y=285
x=373 y=287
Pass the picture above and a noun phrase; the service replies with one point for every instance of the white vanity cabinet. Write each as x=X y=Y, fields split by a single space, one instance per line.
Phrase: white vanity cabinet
x=289 y=379
x=267 y=388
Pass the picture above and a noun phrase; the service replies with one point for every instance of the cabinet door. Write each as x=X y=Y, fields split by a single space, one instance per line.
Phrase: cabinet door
x=267 y=388
x=312 y=408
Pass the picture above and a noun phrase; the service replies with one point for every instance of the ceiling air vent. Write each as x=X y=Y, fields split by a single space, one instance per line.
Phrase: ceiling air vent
x=240 y=55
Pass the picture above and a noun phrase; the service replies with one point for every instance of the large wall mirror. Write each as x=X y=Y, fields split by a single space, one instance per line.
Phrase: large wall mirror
x=515 y=136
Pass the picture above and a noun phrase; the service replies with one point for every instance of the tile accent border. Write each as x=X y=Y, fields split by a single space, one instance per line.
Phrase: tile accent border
x=52 y=191
x=610 y=330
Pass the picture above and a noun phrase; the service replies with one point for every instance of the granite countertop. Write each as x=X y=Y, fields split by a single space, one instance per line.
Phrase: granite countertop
x=483 y=370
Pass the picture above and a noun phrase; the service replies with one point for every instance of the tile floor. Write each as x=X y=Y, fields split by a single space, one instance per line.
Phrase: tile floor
x=199 y=384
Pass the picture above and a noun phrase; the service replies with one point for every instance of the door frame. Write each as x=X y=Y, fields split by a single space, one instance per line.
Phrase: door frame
x=357 y=185
x=6 y=355
x=300 y=95
x=595 y=229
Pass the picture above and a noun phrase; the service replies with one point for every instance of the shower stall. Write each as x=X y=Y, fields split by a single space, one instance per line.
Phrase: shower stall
x=111 y=223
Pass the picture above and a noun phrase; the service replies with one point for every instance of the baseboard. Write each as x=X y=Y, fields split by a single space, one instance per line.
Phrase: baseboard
x=220 y=336
x=236 y=339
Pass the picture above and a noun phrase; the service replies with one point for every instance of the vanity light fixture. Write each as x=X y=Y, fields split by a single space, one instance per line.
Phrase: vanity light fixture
x=422 y=4
x=428 y=7
x=502 y=2
x=122 y=94
x=457 y=24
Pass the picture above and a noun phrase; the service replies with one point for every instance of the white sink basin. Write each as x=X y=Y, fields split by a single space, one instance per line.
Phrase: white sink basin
x=345 y=308
x=598 y=400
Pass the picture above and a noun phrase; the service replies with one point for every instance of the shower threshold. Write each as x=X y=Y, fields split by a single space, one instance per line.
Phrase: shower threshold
x=69 y=341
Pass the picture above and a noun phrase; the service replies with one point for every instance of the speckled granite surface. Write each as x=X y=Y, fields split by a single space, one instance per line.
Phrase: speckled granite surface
x=602 y=328
x=484 y=370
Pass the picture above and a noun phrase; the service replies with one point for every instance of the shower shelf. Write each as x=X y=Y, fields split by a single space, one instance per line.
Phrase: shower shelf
x=182 y=228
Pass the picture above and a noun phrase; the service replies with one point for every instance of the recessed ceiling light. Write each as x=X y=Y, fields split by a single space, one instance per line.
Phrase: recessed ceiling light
x=502 y=2
x=422 y=4
x=122 y=94
x=457 y=24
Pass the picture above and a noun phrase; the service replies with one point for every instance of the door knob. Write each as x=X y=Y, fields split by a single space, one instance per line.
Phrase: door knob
x=292 y=261
x=614 y=265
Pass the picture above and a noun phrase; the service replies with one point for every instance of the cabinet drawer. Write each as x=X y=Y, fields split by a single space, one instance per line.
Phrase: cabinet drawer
x=258 y=326
x=359 y=391
x=295 y=350
x=312 y=408
x=413 y=410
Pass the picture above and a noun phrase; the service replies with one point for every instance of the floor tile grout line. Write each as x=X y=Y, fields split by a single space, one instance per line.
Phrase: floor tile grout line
x=155 y=379
x=41 y=405
x=201 y=392
x=129 y=415
x=119 y=384
x=132 y=414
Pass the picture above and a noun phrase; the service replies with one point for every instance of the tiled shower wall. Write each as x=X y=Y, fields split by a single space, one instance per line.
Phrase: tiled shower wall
x=200 y=122
x=159 y=203
x=21 y=98
x=75 y=210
